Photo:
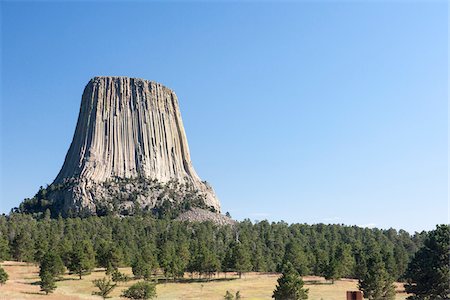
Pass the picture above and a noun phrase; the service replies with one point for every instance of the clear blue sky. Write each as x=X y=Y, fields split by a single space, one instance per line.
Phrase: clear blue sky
x=332 y=112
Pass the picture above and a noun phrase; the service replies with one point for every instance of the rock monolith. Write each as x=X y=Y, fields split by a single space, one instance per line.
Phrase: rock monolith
x=129 y=149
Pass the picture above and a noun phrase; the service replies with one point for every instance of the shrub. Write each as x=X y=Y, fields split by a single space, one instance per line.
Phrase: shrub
x=140 y=290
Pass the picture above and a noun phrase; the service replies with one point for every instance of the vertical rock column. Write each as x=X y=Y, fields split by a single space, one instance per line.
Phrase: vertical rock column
x=128 y=128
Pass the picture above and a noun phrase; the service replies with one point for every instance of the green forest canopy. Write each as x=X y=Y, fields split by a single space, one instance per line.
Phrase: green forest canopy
x=207 y=248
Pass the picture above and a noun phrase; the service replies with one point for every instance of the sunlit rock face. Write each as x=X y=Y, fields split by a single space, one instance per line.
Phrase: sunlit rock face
x=129 y=148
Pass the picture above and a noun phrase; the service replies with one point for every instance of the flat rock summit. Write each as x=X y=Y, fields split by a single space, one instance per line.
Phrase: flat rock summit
x=129 y=151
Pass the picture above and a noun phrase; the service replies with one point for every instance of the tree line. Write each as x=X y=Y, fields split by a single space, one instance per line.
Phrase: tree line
x=332 y=251
x=150 y=245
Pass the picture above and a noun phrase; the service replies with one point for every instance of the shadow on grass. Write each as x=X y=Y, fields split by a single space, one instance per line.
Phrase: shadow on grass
x=68 y=279
x=58 y=279
x=23 y=264
x=33 y=293
x=318 y=282
x=193 y=280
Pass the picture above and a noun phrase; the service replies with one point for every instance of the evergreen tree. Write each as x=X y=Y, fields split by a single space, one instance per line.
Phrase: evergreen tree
x=47 y=282
x=207 y=248
x=345 y=261
x=144 y=268
x=290 y=285
x=182 y=258
x=401 y=260
x=3 y=276
x=204 y=260
x=241 y=259
x=321 y=260
x=141 y=290
x=51 y=263
x=105 y=286
x=41 y=246
x=228 y=260
x=376 y=283
x=140 y=269
x=258 y=259
x=167 y=259
x=22 y=246
x=82 y=259
x=428 y=274
x=296 y=256
x=109 y=257
x=118 y=276
x=360 y=260
x=331 y=271
x=64 y=250
x=4 y=248
x=388 y=258
x=148 y=254
x=209 y=263
x=110 y=269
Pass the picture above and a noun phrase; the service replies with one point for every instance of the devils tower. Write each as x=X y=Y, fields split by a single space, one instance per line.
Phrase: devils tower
x=129 y=149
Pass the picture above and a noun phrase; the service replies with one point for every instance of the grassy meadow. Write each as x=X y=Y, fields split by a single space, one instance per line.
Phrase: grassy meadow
x=23 y=283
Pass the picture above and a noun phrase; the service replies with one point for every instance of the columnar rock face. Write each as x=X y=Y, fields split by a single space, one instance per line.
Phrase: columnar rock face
x=129 y=134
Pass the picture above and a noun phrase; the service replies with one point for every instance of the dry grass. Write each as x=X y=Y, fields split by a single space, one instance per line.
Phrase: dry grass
x=23 y=283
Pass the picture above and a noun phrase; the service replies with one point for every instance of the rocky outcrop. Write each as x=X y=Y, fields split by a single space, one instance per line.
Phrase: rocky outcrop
x=129 y=135
x=201 y=215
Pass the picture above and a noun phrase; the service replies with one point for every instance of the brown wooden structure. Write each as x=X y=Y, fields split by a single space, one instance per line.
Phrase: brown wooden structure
x=354 y=295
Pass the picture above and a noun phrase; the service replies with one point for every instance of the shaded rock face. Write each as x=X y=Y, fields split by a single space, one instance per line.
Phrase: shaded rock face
x=129 y=134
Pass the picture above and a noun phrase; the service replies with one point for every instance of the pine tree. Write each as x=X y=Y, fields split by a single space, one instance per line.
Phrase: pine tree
x=296 y=256
x=118 y=276
x=182 y=258
x=376 y=283
x=258 y=259
x=109 y=256
x=290 y=285
x=3 y=276
x=210 y=263
x=345 y=260
x=141 y=290
x=41 y=246
x=241 y=259
x=331 y=271
x=4 y=248
x=148 y=254
x=22 y=246
x=139 y=268
x=228 y=261
x=52 y=263
x=321 y=261
x=47 y=282
x=428 y=273
x=142 y=268
x=82 y=259
x=105 y=286
x=167 y=259
x=401 y=260
x=204 y=260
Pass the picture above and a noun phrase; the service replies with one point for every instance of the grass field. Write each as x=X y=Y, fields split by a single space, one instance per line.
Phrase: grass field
x=23 y=283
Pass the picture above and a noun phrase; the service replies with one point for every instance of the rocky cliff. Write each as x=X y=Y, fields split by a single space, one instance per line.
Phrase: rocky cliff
x=129 y=149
